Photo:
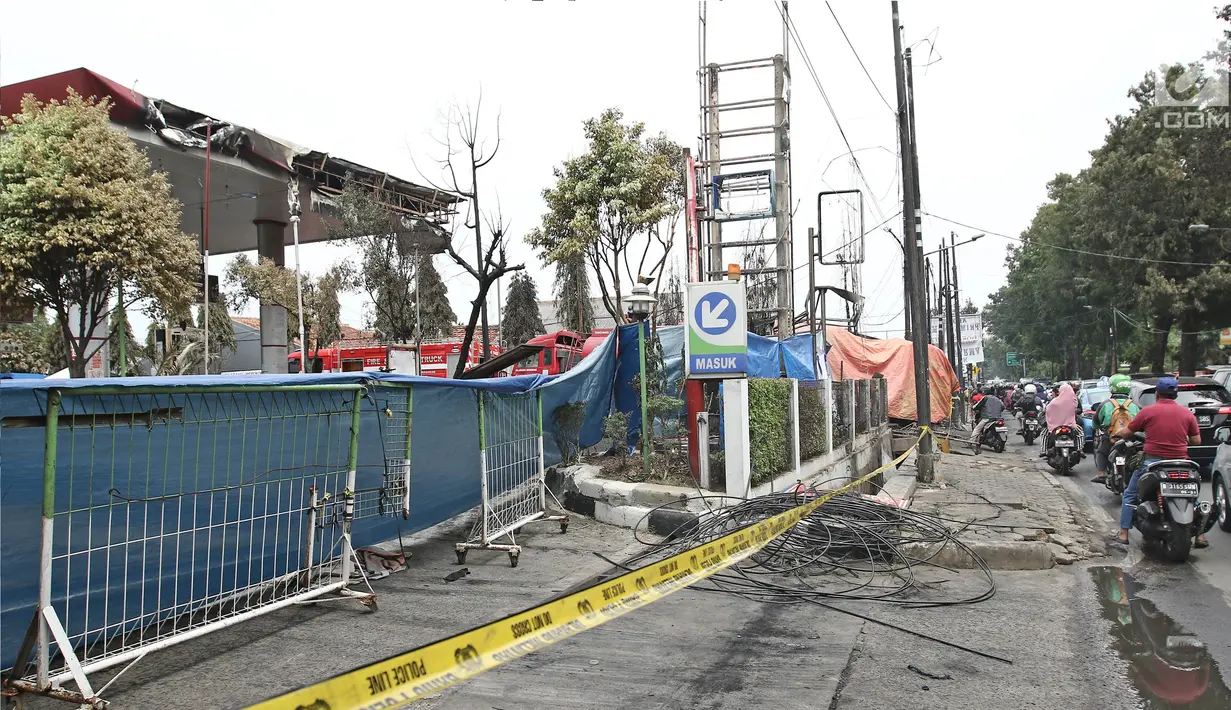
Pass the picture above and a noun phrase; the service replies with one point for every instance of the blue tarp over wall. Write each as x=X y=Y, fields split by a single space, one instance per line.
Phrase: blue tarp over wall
x=444 y=455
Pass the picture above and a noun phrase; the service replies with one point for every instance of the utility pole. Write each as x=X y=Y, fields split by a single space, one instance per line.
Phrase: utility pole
x=914 y=250
x=957 y=304
x=952 y=330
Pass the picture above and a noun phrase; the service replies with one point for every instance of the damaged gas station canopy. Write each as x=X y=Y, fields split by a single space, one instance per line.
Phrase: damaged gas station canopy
x=251 y=173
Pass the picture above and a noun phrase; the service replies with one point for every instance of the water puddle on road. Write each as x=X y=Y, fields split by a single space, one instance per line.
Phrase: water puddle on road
x=1168 y=665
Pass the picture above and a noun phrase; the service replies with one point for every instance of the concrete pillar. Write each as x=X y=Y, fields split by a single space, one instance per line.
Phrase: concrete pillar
x=794 y=413
x=270 y=244
x=738 y=450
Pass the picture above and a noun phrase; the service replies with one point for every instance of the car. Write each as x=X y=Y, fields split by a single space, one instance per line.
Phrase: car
x=1090 y=399
x=1220 y=478
x=1208 y=400
x=1222 y=375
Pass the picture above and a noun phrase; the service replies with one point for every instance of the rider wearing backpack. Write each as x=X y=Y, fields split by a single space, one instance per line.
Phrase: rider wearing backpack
x=1113 y=414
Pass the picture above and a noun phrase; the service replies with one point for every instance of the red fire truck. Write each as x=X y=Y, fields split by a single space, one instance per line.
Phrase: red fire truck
x=549 y=354
x=435 y=359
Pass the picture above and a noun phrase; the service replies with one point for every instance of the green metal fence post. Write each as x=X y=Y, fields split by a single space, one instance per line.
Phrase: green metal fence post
x=645 y=424
x=410 y=415
x=49 y=511
x=352 y=465
x=483 y=466
x=538 y=396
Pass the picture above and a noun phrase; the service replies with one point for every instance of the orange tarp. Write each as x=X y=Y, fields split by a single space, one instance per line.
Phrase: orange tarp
x=853 y=357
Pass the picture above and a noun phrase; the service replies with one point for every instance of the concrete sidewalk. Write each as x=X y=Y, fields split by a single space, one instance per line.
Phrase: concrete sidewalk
x=1017 y=516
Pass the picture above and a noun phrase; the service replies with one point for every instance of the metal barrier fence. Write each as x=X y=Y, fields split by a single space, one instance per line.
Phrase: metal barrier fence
x=171 y=513
x=863 y=404
x=513 y=474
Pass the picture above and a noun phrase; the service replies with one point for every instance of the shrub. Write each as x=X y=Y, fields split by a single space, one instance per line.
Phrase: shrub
x=567 y=420
x=768 y=422
x=812 y=418
x=615 y=428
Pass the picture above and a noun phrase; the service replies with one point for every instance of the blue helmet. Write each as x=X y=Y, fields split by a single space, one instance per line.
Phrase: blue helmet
x=1167 y=384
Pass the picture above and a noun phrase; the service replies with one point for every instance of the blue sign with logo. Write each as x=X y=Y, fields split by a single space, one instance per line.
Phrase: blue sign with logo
x=717 y=339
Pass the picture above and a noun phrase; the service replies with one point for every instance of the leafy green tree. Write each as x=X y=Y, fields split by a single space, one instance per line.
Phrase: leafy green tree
x=391 y=248
x=270 y=283
x=521 y=310
x=613 y=205
x=574 y=309
x=26 y=345
x=436 y=315
x=79 y=207
x=221 y=333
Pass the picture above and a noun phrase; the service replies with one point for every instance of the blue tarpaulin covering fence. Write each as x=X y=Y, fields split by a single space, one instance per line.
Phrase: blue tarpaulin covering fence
x=444 y=454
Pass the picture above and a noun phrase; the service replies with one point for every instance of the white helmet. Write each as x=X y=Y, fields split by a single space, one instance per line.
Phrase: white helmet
x=1031 y=389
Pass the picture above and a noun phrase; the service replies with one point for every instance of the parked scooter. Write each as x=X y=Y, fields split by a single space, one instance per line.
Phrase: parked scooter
x=1031 y=426
x=1168 y=511
x=994 y=436
x=1064 y=449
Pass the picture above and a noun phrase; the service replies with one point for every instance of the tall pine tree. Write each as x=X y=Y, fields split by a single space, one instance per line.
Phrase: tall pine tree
x=574 y=309
x=521 y=310
x=436 y=316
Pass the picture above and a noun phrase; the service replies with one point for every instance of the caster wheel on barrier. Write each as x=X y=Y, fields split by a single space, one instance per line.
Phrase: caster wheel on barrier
x=513 y=559
x=461 y=557
x=563 y=527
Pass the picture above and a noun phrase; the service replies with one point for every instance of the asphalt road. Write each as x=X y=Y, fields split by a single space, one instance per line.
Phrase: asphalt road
x=1195 y=597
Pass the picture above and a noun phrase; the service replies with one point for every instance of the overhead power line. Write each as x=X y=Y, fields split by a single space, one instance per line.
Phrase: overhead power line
x=858 y=58
x=1139 y=259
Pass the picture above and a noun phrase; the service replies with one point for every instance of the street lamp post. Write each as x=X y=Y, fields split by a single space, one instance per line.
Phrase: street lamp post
x=640 y=305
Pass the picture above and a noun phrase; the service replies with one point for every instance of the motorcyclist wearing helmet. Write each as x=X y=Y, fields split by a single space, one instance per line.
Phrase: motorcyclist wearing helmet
x=1121 y=386
x=989 y=408
x=1170 y=429
x=1027 y=401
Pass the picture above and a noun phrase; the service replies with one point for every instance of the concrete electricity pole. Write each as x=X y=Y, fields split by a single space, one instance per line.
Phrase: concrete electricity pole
x=914 y=250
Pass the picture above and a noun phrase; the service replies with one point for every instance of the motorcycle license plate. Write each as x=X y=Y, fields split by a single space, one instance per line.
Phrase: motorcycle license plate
x=1180 y=489
x=1120 y=461
x=1066 y=444
x=1002 y=429
x=1203 y=419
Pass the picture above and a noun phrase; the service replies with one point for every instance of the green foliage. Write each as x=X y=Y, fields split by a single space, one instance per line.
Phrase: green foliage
x=436 y=315
x=79 y=208
x=812 y=417
x=1145 y=185
x=574 y=309
x=521 y=320
x=615 y=428
x=566 y=430
x=623 y=194
x=768 y=422
x=26 y=343
x=390 y=248
x=132 y=348
x=269 y=283
x=221 y=333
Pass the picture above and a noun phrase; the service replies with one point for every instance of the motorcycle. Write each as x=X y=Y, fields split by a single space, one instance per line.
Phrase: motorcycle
x=994 y=436
x=1121 y=457
x=1168 y=511
x=1031 y=428
x=1065 y=448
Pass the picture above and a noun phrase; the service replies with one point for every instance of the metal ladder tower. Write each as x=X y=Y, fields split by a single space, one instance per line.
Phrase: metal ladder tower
x=764 y=171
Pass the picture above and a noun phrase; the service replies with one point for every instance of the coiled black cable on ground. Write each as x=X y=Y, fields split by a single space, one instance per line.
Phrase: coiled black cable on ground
x=851 y=548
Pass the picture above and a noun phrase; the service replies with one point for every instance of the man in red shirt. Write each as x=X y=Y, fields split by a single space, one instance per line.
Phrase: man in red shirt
x=1169 y=429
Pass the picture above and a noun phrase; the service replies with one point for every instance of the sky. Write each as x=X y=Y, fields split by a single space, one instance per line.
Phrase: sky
x=1007 y=95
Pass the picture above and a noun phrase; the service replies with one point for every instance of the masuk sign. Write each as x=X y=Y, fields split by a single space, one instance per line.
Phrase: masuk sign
x=716 y=344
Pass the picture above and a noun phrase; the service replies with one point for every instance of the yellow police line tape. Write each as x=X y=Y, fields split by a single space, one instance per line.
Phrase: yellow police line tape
x=402 y=679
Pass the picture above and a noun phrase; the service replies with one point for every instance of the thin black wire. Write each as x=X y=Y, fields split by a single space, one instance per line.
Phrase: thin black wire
x=858 y=58
x=1140 y=259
